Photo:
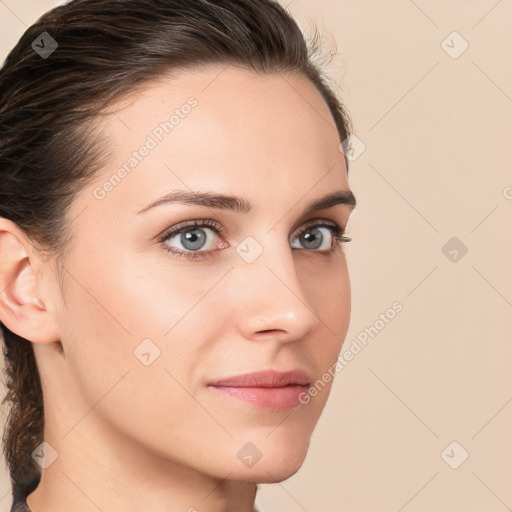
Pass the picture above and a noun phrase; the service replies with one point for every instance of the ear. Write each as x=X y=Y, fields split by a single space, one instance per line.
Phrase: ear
x=22 y=307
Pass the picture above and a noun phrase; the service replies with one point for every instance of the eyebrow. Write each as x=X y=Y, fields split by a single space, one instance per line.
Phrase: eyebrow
x=241 y=205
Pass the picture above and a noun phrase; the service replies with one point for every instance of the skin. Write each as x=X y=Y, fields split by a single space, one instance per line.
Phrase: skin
x=134 y=437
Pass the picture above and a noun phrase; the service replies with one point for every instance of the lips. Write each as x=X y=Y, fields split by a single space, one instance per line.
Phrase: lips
x=266 y=379
x=269 y=389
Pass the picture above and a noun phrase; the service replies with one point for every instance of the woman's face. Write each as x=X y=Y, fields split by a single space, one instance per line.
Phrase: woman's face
x=147 y=324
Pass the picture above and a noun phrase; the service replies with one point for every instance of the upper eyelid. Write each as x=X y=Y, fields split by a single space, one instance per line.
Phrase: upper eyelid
x=314 y=222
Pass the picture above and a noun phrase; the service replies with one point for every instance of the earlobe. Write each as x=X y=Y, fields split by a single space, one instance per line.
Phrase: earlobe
x=22 y=310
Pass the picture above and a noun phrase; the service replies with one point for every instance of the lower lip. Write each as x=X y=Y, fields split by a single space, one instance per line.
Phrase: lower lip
x=272 y=399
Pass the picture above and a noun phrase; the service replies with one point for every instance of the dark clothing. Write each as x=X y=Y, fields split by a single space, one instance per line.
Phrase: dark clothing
x=20 y=491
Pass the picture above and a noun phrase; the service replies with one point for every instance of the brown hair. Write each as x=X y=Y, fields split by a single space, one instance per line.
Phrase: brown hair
x=107 y=48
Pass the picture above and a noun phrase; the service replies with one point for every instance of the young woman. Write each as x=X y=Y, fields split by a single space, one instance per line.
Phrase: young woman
x=173 y=204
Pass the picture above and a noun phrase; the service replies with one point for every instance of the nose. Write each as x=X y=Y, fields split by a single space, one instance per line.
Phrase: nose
x=270 y=299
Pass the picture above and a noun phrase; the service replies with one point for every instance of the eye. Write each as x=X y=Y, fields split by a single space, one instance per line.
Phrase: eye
x=321 y=237
x=193 y=240
x=192 y=237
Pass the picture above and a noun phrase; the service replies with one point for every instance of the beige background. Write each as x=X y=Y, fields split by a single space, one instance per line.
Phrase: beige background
x=437 y=132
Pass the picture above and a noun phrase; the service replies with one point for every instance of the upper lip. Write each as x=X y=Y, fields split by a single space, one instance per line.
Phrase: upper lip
x=265 y=379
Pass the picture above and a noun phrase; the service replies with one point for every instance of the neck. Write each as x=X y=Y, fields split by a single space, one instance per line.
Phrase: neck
x=98 y=470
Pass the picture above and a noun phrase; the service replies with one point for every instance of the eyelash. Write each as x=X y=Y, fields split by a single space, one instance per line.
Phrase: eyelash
x=338 y=236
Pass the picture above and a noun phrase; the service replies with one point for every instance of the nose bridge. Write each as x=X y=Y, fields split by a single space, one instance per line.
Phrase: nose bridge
x=271 y=297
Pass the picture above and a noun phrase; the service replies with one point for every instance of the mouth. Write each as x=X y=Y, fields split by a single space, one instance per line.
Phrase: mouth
x=269 y=389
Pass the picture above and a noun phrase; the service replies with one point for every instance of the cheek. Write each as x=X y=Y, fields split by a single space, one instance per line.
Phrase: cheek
x=123 y=367
x=327 y=290
x=129 y=317
x=168 y=296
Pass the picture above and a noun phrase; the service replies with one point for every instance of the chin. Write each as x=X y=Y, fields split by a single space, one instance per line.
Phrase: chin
x=269 y=473
x=275 y=465
x=279 y=473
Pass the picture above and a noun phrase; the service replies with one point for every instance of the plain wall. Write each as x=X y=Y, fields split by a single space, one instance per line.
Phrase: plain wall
x=431 y=183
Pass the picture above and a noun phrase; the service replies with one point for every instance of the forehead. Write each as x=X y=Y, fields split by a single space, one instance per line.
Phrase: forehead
x=221 y=128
